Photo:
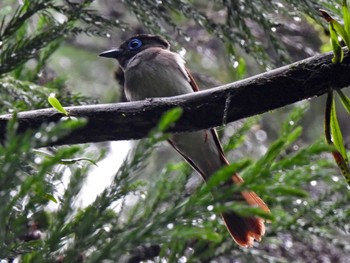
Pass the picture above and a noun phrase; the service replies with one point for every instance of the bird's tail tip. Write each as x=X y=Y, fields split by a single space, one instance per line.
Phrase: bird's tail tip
x=245 y=230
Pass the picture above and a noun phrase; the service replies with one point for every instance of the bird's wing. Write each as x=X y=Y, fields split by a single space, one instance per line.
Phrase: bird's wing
x=212 y=130
x=243 y=229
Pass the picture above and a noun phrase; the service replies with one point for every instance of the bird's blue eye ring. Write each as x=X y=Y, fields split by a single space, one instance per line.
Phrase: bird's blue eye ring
x=134 y=44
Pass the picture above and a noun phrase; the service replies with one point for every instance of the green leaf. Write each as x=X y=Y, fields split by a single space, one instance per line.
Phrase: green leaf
x=341 y=31
x=239 y=136
x=192 y=232
x=336 y=28
x=272 y=153
x=242 y=68
x=338 y=53
x=54 y=102
x=346 y=17
x=50 y=197
x=286 y=190
x=345 y=100
x=169 y=118
x=294 y=135
x=252 y=211
x=75 y=160
x=222 y=175
x=336 y=133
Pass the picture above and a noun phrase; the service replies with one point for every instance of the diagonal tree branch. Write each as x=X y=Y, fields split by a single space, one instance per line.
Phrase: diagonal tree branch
x=210 y=108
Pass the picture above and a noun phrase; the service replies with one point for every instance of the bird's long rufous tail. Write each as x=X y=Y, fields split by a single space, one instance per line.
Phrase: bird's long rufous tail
x=203 y=151
x=244 y=230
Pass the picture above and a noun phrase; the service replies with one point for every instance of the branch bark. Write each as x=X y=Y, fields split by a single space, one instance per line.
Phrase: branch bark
x=210 y=108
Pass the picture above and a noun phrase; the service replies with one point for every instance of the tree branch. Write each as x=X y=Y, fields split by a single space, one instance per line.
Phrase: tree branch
x=210 y=108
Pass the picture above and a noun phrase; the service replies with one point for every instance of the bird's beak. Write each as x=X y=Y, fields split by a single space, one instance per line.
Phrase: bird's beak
x=113 y=53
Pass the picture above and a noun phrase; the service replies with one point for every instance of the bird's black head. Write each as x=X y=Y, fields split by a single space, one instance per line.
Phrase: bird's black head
x=134 y=45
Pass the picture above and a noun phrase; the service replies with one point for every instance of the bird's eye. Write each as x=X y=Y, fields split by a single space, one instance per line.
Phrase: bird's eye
x=134 y=44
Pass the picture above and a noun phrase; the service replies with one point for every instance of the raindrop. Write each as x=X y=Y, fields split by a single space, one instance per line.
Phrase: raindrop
x=187 y=38
x=37 y=135
x=261 y=135
x=235 y=64
x=301 y=222
x=210 y=207
x=262 y=149
x=295 y=147
x=183 y=259
x=37 y=160
x=279 y=4
x=182 y=52
x=189 y=251
x=288 y=244
x=313 y=183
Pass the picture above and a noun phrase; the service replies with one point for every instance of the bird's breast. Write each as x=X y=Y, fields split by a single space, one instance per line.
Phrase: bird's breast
x=155 y=74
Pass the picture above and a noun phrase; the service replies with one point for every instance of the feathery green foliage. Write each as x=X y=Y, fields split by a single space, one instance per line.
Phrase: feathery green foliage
x=34 y=30
x=241 y=19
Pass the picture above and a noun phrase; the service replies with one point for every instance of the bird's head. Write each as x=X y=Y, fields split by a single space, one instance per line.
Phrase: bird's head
x=133 y=46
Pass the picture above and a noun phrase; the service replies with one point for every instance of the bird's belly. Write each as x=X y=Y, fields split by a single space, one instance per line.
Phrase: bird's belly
x=151 y=80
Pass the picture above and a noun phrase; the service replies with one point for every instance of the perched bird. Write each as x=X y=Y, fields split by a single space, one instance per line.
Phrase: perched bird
x=152 y=70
